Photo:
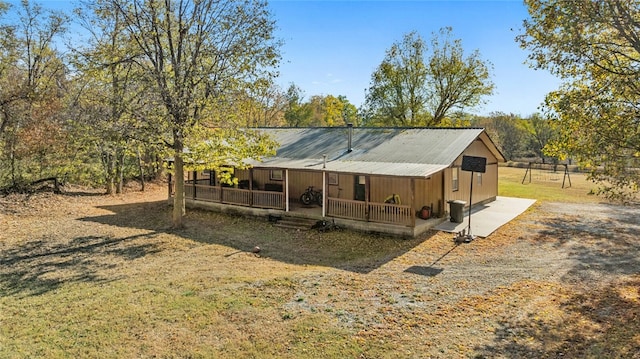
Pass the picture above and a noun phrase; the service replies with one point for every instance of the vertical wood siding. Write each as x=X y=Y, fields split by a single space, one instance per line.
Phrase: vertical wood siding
x=481 y=192
x=429 y=193
x=383 y=187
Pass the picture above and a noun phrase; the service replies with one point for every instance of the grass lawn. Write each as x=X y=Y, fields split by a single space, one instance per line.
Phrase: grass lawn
x=545 y=186
x=92 y=276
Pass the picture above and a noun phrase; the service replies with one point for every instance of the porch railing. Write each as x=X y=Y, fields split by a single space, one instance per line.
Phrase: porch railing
x=391 y=213
x=341 y=208
x=346 y=209
x=240 y=197
x=372 y=212
x=268 y=199
x=205 y=193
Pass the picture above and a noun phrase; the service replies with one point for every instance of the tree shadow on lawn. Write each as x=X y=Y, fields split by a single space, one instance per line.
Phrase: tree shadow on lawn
x=601 y=323
x=600 y=315
x=39 y=266
x=601 y=246
x=342 y=249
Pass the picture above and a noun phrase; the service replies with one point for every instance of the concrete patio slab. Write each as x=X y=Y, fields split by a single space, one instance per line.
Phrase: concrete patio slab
x=487 y=218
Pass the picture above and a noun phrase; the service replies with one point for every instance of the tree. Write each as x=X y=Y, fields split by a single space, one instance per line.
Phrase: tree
x=297 y=113
x=196 y=54
x=319 y=111
x=263 y=106
x=457 y=82
x=411 y=89
x=398 y=92
x=108 y=76
x=594 y=47
x=507 y=131
x=540 y=131
x=32 y=82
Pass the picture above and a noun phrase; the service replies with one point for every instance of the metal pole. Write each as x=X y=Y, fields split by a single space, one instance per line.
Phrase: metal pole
x=324 y=193
x=286 y=190
x=470 y=203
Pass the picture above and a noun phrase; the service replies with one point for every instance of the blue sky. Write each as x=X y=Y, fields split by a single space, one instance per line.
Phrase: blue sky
x=331 y=47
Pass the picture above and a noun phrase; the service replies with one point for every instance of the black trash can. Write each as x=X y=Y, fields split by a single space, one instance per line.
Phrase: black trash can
x=456 y=211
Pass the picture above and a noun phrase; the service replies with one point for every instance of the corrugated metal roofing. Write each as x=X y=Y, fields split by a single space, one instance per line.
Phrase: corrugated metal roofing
x=413 y=152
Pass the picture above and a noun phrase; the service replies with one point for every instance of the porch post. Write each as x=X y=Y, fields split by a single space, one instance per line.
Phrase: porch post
x=324 y=193
x=366 y=197
x=170 y=185
x=251 y=187
x=195 y=182
x=286 y=190
x=413 y=199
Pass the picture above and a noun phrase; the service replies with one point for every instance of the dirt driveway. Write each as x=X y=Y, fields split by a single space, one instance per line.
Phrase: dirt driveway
x=560 y=280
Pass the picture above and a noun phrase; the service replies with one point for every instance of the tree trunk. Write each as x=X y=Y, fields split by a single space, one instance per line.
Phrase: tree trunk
x=12 y=157
x=178 y=198
x=120 y=170
x=141 y=168
x=107 y=162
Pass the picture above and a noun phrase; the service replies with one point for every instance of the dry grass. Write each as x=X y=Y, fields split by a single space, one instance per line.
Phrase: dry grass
x=97 y=276
x=547 y=186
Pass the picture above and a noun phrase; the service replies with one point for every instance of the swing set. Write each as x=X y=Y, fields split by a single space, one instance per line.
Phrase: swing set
x=547 y=172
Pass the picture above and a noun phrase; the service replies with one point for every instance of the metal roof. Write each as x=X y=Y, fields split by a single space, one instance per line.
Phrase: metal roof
x=413 y=152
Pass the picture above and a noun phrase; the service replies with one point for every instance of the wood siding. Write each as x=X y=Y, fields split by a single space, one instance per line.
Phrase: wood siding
x=429 y=193
x=486 y=190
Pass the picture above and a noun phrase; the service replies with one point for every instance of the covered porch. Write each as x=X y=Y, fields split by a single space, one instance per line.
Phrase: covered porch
x=276 y=191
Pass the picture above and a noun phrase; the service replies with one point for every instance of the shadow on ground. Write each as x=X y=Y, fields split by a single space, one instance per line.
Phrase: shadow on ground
x=602 y=323
x=342 y=249
x=599 y=315
x=602 y=241
x=43 y=265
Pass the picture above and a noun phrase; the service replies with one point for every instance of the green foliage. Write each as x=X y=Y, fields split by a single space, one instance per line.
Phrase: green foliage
x=319 y=111
x=33 y=137
x=297 y=114
x=197 y=57
x=398 y=92
x=219 y=148
x=518 y=137
x=412 y=87
x=593 y=46
x=146 y=78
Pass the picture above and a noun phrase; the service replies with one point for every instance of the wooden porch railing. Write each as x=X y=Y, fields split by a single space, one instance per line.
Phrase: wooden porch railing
x=241 y=197
x=346 y=209
x=372 y=212
x=205 y=193
x=341 y=208
x=268 y=199
x=391 y=213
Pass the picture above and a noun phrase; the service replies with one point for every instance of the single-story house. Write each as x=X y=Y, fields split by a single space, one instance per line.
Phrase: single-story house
x=389 y=180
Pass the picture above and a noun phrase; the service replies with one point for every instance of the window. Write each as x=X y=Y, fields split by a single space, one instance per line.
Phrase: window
x=333 y=179
x=455 y=183
x=275 y=175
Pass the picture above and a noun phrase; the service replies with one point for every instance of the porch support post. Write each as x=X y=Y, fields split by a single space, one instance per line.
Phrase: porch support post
x=366 y=196
x=170 y=185
x=195 y=182
x=324 y=194
x=286 y=190
x=251 y=187
x=413 y=197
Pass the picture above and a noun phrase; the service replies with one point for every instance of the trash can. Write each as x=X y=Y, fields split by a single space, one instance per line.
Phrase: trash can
x=457 y=210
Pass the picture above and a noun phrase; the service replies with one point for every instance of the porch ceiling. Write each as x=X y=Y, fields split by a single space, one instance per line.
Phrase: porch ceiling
x=357 y=167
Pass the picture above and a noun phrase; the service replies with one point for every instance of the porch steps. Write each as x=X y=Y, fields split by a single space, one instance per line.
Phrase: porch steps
x=302 y=224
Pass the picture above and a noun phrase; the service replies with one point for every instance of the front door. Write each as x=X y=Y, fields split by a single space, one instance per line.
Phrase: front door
x=360 y=191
